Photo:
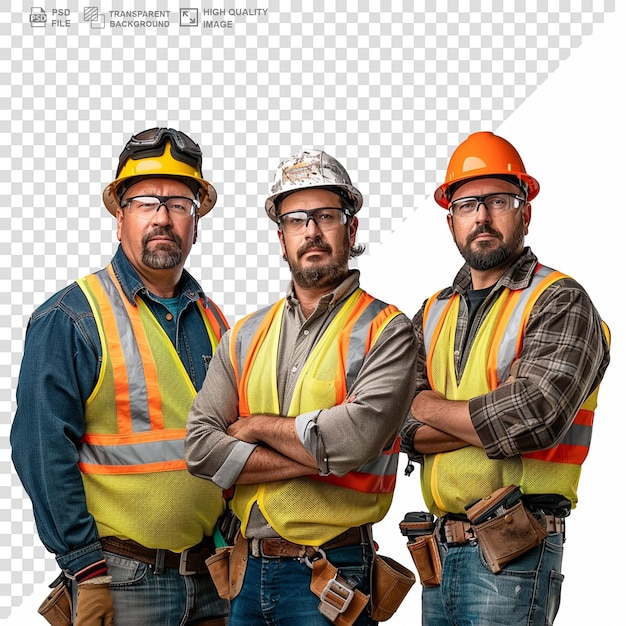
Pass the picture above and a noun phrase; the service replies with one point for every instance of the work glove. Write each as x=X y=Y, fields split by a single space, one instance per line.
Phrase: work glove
x=94 y=606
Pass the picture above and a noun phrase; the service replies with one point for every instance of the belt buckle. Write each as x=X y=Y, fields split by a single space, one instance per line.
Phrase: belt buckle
x=255 y=546
x=335 y=598
x=183 y=570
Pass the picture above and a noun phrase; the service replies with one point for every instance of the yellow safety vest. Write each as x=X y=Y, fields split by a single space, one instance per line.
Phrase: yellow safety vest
x=132 y=452
x=313 y=509
x=451 y=480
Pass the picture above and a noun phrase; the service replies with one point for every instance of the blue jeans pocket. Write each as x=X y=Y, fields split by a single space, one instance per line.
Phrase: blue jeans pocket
x=125 y=571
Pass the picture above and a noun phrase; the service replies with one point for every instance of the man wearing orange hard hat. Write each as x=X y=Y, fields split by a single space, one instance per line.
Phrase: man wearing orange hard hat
x=111 y=366
x=510 y=358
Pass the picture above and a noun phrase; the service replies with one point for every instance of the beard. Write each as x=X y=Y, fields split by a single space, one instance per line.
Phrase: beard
x=485 y=257
x=326 y=274
x=166 y=254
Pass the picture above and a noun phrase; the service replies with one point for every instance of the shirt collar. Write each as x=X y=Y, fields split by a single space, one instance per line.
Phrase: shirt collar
x=132 y=285
x=518 y=276
x=329 y=300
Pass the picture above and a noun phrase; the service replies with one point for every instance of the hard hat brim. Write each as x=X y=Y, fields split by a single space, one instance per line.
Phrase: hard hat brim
x=208 y=194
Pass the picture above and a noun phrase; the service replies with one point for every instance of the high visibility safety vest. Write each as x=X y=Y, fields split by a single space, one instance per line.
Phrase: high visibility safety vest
x=451 y=480
x=313 y=509
x=132 y=452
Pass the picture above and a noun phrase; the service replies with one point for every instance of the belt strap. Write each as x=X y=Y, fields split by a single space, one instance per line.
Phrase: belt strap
x=187 y=562
x=277 y=547
x=457 y=532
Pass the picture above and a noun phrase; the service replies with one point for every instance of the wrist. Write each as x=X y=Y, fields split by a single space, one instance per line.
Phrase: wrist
x=97 y=580
x=94 y=570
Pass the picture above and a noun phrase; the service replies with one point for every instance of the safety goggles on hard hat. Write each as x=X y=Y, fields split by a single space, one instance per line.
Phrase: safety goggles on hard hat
x=151 y=143
x=160 y=153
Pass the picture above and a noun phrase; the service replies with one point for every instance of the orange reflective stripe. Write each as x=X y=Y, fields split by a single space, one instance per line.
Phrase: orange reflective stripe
x=379 y=476
x=216 y=318
x=431 y=335
x=155 y=409
x=541 y=287
x=120 y=377
x=118 y=439
x=379 y=323
x=358 y=481
x=137 y=363
x=574 y=455
x=250 y=354
x=142 y=468
x=501 y=327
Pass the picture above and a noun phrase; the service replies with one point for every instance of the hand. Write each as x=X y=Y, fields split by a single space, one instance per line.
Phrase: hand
x=95 y=604
x=243 y=429
x=422 y=405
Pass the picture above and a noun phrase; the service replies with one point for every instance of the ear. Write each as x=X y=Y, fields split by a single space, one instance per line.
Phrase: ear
x=352 y=228
x=281 y=239
x=196 y=219
x=119 y=216
x=450 y=223
x=526 y=215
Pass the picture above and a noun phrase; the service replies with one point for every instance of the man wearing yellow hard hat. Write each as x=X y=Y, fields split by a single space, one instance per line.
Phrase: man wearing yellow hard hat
x=111 y=366
x=510 y=360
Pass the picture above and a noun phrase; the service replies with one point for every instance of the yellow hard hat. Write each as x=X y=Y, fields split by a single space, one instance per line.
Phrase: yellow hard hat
x=485 y=155
x=162 y=153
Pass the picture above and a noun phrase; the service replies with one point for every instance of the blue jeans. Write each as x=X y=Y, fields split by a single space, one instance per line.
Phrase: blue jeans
x=276 y=591
x=526 y=592
x=142 y=598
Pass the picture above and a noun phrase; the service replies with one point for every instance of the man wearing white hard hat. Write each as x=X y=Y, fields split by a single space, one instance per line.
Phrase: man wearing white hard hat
x=111 y=366
x=300 y=413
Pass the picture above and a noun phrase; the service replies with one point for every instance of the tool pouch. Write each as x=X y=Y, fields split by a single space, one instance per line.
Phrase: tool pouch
x=340 y=602
x=228 y=567
x=217 y=564
x=504 y=528
x=57 y=607
x=390 y=584
x=425 y=553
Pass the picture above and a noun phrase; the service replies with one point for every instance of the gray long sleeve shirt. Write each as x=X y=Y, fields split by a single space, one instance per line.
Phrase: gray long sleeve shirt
x=343 y=437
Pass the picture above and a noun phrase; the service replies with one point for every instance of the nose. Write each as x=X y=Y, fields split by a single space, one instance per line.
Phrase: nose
x=309 y=232
x=482 y=214
x=162 y=217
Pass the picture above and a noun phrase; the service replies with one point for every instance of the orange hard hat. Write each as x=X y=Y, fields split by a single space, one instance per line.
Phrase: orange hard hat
x=484 y=155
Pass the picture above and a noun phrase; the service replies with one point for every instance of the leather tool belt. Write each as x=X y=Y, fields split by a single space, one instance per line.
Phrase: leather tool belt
x=188 y=562
x=501 y=524
x=458 y=532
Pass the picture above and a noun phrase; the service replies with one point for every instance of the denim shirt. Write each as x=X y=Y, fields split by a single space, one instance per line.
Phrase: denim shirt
x=60 y=367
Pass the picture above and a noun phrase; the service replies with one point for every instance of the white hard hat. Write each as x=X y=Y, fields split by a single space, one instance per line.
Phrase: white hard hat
x=311 y=168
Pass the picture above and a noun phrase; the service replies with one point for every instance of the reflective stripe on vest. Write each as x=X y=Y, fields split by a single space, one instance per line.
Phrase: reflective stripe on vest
x=452 y=479
x=345 y=343
x=136 y=440
x=507 y=340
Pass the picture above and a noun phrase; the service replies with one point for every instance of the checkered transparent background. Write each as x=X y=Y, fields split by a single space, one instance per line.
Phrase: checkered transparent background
x=389 y=92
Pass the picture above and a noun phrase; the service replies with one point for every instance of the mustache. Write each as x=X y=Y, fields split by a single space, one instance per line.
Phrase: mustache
x=313 y=243
x=161 y=231
x=483 y=228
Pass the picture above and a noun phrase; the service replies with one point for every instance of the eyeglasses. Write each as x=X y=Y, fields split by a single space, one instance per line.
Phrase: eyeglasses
x=176 y=206
x=150 y=143
x=495 y=203
x=326 y=219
